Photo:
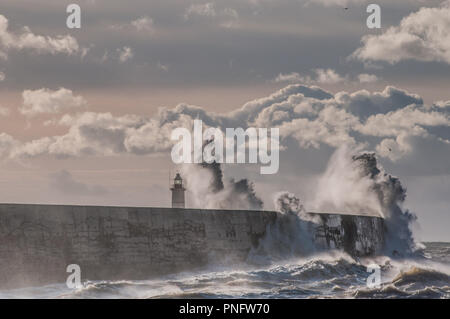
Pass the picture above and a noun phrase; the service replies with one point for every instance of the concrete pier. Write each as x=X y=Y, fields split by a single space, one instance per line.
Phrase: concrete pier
x=358 y=235
x=38 y=242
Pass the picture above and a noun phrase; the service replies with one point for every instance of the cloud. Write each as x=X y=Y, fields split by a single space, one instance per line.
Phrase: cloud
x=46 y=101
x=162 y=67
x=64 y=183
x=226 y=17
x=418 y=153
x=293 y=77
x=442 y=104
x=364 y=103
x=367 y=78
x=125 y=54
x=394 y=149
x=230 y=18
x=423 y=36
x=330 y=127
x=393 y=122
x=4 y=111
x=89 y=134
x=143 y=24
x=323 y=76
x=2 y=76
x=27 y=40
x=412 y=119
x=205 y=10
x=7 y=144
x=328 y=76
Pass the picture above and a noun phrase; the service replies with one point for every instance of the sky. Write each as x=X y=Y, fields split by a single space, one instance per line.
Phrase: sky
x=86 y=114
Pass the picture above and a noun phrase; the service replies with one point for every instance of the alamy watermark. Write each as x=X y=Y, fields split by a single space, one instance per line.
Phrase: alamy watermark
x=374 y=20
x=374 y=279
x=209 y=146
x=74 y=19
x=74 y=279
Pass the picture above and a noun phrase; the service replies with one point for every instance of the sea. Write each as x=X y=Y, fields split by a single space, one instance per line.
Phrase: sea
x=326 y=275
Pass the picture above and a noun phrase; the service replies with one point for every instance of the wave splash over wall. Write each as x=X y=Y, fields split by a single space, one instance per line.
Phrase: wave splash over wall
x=291 y=235
x=209 y=190
x=355 y=182
x=287 y=261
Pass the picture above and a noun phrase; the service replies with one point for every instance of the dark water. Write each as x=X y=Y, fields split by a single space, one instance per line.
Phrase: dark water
x=330 y=275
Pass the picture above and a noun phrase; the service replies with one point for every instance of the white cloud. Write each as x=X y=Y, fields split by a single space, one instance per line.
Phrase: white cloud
x=27 y=40
x=143 y=24
x=394 y=149
x=293 y=77
x=442 y=104
x=92 y=133
x=230 y=18
x=162 y=67
x=420 y=152
x=393 y=122
x=226 y=17
x=7 y=145
x=4 y=111
x=331 y=127
x=205 y=10
x=49 y=101
x=323 y=76
x=410 y=119
x=367 y=78
x=328 y=76
x=148 y=135
x=125 y=54
x=2 y=76
x=422 y=36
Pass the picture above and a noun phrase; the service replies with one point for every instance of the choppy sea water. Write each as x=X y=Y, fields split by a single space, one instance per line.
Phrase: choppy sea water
x=330 y=275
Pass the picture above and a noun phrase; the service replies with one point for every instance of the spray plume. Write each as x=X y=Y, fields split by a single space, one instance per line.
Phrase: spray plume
x=357 y=183
x=205 y=181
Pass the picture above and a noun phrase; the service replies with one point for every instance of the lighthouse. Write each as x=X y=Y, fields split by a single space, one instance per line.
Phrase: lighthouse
x=178 y=192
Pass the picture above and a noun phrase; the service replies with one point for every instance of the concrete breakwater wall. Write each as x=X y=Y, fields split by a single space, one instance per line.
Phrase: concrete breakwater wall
x=355 y=234
x=38 y=242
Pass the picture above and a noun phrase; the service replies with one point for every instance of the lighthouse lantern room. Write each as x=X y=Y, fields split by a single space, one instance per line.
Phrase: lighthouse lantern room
x=178 y=192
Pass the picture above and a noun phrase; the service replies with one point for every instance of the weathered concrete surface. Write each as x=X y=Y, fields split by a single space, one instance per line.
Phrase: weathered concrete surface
x=37 y=242
x=355 y=234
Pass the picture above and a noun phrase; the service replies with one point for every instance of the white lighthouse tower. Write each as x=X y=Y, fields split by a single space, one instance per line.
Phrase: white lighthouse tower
x=178 y=192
